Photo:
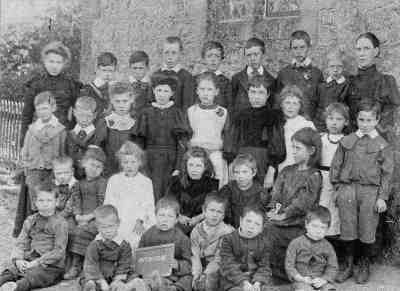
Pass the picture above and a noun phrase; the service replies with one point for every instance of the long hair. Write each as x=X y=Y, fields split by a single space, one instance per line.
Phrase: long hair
x=310 y=138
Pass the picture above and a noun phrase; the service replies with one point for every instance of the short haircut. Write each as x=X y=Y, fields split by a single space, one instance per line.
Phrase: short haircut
x=259 y=81
x=86 y=103
x=58 y=48
x=95 y=153
x=139 y=57
x=291 y=90
x=129 y=148
x=45 y=97
x=118 y=88
x=320 y=213
x=215 y=197
x=209 y=76
x=310 y=138
x=300 y=34
x=62 y=160
x=168 y=202
x=160 y=79
x=337 y=107
x=246 y=160
x=210 y=45
x=255 y=42
x=369 y=106
x=106 y=211
x=106 y=59
x=174 y=39
x=252 y=208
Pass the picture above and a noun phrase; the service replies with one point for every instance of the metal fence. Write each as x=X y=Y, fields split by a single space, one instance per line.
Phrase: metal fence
x=10 y=131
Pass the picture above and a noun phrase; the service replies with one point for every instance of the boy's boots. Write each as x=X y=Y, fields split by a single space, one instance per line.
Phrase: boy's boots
x=347 y=272
x=363 y=272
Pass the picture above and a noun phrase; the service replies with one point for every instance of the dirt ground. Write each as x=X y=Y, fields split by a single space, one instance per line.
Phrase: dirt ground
x=384 y=278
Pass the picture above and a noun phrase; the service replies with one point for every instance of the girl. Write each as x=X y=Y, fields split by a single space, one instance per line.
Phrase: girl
x=296 y=190
x=209 y=123
x=164 y=130
x=116 y=128
x=132 y=194
x=291 y=102
x=190 y=187
x=337 y=117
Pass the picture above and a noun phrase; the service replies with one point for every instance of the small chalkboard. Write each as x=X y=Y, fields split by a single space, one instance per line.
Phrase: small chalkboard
x=156 y=258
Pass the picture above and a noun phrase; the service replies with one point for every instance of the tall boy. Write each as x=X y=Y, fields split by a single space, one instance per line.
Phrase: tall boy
x=171 y=55
x=301 y=72
x=254 y=52
x=39 y=254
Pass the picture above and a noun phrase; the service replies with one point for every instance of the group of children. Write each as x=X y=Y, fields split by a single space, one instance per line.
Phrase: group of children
x=159 y=159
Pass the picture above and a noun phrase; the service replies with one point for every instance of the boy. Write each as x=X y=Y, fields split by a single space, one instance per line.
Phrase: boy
x=245 y=255
x=106 y=66
x=164 y=232
x=39 y=254
x=243 y=190
x=44 y=141
x=171 y=54
x=140 y=81
x=213 y=55
x=301 y=72
x=205 y=238
x=108 y=260
x=82 y=135
x=361 y=172
x=254 y=52
x=310 y=259
x=335 y=89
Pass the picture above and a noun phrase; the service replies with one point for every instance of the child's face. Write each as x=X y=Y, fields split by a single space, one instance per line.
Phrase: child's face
x=108 y=227
x=122 y=103
x=138 y=70
x=93 y=168
x=254 y=56
x=213 y=59
x=44 y=111
x=84 y=117
x=367 y=121
x=130 y=165
x=299 y=50
x=166 y=218
x=46 y=203
x=163 y=94
x=366 y=52
x=316 y=229
x=301 y=152
x=214 y=213
x=335 y=122
x=171 y=54
x=195 y=168
x=53 y=63
x=207 y=92
x=251 y=224
x=258 y=96
x=335 y=68
x=244 y=176
x=291 y=106
x=105 y=73
x=63 y=173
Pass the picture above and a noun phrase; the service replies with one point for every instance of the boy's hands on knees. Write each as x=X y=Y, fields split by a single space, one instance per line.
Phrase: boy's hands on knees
x=380 y=205
x=175 y=173
x=304 y=279
x=103 y=285
x=257 y=286
x=247 y=286
x=139 y=227
x=32 y=264
x=21 y=265
x=318 y=282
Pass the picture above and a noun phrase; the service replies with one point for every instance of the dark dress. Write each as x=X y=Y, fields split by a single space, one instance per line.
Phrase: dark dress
x=100 y=95
x=165 y=132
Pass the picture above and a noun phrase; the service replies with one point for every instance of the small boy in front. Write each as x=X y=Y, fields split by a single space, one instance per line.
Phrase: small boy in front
x=301 y=72
x=171 y=54
x=311 y=262
x=205 y=238
x=139 y=79
x=44 y=141
x=254 y=52
x=165 y=231
x=39 y=254
x=245 y=255
x=108 y=260
x=361 y=174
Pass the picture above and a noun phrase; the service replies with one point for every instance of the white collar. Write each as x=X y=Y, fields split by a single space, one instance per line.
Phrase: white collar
x=39 y=124
x=305 y=63
x=176 y=69
x=372 y=133
x=341 y=80
x=168 y=105
x=71 y=182
x=98 y=82
x=145 y=79
x=88 y=129
x=119 y=122
x=250 y=70
x=118 y=239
